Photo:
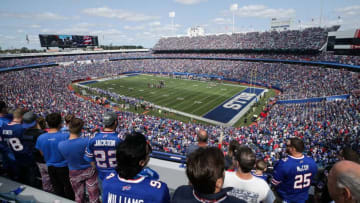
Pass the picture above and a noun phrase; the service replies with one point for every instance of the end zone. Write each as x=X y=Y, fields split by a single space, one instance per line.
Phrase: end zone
x=232 y=109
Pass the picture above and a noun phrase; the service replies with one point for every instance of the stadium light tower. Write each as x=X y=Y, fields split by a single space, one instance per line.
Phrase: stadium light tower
x=233 y=9
x=172 y=16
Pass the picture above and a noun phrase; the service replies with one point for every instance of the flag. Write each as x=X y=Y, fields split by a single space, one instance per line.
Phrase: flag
x=87 y=40
x=27 y=39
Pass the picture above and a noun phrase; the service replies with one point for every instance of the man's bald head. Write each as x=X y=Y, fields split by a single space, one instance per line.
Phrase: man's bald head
x=202 y=136
x=344 y=182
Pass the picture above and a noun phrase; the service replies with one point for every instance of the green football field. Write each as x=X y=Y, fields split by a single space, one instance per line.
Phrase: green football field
x=189 y=96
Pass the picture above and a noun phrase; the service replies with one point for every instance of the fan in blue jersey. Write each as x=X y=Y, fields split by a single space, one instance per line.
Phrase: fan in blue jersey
x=4 y=117
x=260 y=168
x=22 y=145
x=11 y=134
x=82 y=174
x=47 y=144
x=102 y=148
x=294 y=174
x=125 y=185
x=68 y=118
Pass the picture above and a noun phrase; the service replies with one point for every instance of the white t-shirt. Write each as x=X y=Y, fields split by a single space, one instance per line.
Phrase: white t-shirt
x=254 y=190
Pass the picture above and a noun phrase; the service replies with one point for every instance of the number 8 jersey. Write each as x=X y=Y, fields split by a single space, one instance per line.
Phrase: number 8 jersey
x=293 y=177
x=102 y=150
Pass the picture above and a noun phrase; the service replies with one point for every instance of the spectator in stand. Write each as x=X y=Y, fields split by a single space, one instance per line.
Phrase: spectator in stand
x=4 y=116
x=246 y=186
x=230 y=163
x=260 y=170
x=294 y=174
x=33 y=131
x=344 y=182
x=82 y=174
x=11 y=134
x=349 y=154
x=47 y=144
x=6 y=155
x=205 y=171
x=345 y=154
x=41 y=123
x=68 y=119
x=102 y=147
x=202 y=139
x=22 y=145
x=125 y=185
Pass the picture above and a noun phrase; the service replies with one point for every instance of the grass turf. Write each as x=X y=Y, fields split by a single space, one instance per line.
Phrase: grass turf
x=190 y=96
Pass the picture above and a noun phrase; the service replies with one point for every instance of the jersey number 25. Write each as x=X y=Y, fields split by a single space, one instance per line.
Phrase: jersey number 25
x=302 y=181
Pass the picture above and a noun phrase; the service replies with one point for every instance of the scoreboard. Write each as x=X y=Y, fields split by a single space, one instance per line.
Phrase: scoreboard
x=68 y=41
x=348 y=40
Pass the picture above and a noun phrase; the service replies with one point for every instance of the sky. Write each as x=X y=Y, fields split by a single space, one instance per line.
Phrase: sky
x=144 y=22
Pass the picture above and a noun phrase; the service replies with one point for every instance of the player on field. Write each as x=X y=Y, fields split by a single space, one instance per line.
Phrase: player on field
x=125 y=185
x=82 y=174
x=47 y=144
x=101 y=149
x=294 y=174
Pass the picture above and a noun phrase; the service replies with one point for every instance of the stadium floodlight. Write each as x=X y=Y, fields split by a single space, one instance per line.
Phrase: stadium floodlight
x=233 y=9
x=172 y=16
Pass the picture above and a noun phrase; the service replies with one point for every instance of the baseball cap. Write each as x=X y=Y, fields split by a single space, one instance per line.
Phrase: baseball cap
x=29 y=119
x=109 y=118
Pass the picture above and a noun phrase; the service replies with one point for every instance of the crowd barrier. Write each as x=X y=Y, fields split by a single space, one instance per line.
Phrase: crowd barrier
x=318 y=99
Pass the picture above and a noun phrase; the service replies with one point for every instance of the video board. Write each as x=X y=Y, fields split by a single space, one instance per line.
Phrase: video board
x=68 y=41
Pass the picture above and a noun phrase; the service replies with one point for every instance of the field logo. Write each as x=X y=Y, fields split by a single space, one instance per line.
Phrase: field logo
x=234 y=106
x=239 y=101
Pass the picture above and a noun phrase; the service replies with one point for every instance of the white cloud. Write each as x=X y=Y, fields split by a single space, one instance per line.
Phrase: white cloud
x=85 y=25
x=222 y=21
x=189 y=2
x=139 y=27
x=119 y=14
x=35 y=26
x=108 y=32
x=350 y=10
x=38 y=16
x=262 y=11
x=155 y=23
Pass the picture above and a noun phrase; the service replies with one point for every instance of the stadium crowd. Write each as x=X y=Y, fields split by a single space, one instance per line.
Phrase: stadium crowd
x=47 y=91
x=324 y=127
x=310 y=38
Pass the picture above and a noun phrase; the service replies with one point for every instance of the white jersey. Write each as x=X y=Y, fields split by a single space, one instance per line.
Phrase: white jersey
x=254 y=190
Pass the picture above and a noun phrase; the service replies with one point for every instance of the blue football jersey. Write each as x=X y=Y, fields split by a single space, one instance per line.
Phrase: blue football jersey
x=264 y=176
x=102 y=150
x=5 y=120
x=140 y=189
x=293 y=177
x=48 y=143
x=10 y=136
x=149 y=173
x=73 y=151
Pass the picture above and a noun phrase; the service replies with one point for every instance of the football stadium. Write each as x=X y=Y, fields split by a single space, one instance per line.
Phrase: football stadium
x=248 y=115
